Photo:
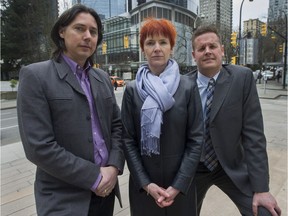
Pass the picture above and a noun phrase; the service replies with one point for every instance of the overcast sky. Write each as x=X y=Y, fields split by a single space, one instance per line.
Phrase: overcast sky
x=250 y=10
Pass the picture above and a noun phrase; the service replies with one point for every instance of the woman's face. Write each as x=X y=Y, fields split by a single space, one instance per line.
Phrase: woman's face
x=157 y=50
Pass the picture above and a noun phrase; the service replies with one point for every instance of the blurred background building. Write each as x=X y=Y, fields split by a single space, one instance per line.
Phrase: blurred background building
x=105 y=9
x=260 y=44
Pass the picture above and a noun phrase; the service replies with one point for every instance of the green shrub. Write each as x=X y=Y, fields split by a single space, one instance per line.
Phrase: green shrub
x=13 y=83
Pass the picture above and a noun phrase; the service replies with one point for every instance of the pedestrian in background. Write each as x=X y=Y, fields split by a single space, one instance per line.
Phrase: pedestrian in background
x=234 y=156
x=115 y=84
x=162 y=129
x=259 y=77
x=70 y=123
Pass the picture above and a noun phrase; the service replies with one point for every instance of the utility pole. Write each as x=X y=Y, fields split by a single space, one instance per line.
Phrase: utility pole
x=239 y=33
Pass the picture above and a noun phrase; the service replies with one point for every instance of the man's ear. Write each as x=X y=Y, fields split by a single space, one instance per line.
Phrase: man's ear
x=222 y=49
x=61 y=32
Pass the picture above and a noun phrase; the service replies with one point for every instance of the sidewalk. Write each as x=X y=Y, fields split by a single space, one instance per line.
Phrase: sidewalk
x=17 y=173
x=272 y=90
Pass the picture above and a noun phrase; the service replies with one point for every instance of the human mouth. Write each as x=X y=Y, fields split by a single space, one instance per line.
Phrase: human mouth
x=207 y=60
x=85 y=46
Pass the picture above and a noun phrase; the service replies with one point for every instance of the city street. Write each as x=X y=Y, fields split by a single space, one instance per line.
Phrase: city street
x=17 y=173
x=9 y=127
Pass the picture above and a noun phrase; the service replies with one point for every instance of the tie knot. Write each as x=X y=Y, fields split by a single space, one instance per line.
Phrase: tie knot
x=211 y=82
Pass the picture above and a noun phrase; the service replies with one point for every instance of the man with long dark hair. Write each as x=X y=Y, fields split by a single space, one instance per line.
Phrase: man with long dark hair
x=70 y=123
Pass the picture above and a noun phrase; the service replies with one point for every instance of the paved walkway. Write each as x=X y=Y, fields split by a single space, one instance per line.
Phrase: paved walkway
x=17 y=173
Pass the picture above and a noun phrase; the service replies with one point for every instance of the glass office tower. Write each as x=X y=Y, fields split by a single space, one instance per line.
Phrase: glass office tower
x=105 y=9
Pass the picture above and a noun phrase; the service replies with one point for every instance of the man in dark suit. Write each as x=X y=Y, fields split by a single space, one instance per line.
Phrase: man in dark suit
x=234 y=156
x=70 y=123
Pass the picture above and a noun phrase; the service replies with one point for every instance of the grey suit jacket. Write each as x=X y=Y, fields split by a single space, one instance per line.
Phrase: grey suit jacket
x=237 y=129
x=55 y=128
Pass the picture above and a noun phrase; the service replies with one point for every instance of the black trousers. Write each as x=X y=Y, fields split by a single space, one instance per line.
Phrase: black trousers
x=102 y=206
x=205 y=179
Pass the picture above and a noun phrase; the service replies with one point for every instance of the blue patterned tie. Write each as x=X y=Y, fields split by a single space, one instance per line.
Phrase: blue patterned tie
x=210 y=156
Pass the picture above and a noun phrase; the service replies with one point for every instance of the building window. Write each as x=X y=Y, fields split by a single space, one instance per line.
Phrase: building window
x=159 y=12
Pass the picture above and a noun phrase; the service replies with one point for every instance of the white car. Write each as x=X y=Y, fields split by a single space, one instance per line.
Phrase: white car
x=268 y=75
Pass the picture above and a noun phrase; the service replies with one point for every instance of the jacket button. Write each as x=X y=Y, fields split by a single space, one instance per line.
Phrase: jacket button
x=90 y=139
x=88 y=118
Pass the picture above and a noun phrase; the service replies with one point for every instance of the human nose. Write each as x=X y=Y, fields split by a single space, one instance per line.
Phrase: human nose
x=87 y=34
x=207 y=49
x=157 y=46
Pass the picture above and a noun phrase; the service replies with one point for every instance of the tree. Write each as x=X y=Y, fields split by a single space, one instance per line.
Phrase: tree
x=13 y=83
x=25 y=32
x=182 y=51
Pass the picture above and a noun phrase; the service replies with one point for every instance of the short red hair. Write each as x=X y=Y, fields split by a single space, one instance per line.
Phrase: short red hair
x=154 y=26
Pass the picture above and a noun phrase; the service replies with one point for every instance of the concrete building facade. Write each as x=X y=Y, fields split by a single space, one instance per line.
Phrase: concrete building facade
x=119 y=58
x=253 y=26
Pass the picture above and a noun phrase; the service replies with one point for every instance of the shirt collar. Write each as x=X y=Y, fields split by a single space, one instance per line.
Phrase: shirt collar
x=76 y=69
x=205 y=80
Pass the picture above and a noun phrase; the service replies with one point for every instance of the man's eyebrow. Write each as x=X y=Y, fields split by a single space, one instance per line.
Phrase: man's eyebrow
x=80 y=24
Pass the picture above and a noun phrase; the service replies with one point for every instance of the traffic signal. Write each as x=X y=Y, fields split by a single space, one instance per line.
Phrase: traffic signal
x=281 y=48
x=234 y=39
x=126 y=41
x=104 y=47
x=273 y=35
x=263 y=29
x=233 y=60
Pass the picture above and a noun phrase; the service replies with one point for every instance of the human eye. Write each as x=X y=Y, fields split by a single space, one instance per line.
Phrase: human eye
x=79 y=28
x=213 y=46
x=201 y=49
x=150 y=43
x=163 y=42
x=94 y=32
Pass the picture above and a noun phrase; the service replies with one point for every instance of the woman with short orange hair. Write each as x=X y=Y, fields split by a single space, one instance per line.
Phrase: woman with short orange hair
x=162 y=129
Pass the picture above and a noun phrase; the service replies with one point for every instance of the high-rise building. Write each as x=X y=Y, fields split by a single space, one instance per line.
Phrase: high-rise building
x=253 y=26
x=276 y=10
x=105 y=9
x=218 y=12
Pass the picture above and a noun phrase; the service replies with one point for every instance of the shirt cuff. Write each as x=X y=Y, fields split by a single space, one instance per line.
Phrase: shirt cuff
x=95 y=185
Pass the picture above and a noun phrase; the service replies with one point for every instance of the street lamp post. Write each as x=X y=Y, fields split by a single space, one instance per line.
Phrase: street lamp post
x=239 y=34
x=285 y=53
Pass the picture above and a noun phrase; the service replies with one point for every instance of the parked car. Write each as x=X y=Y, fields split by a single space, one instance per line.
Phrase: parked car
x=120 y=82
x=268 y=75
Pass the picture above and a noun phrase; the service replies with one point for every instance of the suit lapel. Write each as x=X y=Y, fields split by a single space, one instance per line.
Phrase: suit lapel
x=96 y=83
x=221 y=89
x=64 y=72
x=98 y=92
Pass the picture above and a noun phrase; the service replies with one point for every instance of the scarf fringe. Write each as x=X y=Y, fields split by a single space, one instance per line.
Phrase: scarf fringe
x=150 y=147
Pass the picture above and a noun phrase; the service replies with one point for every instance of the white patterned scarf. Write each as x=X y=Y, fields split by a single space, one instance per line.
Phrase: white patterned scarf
x=157 y=93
